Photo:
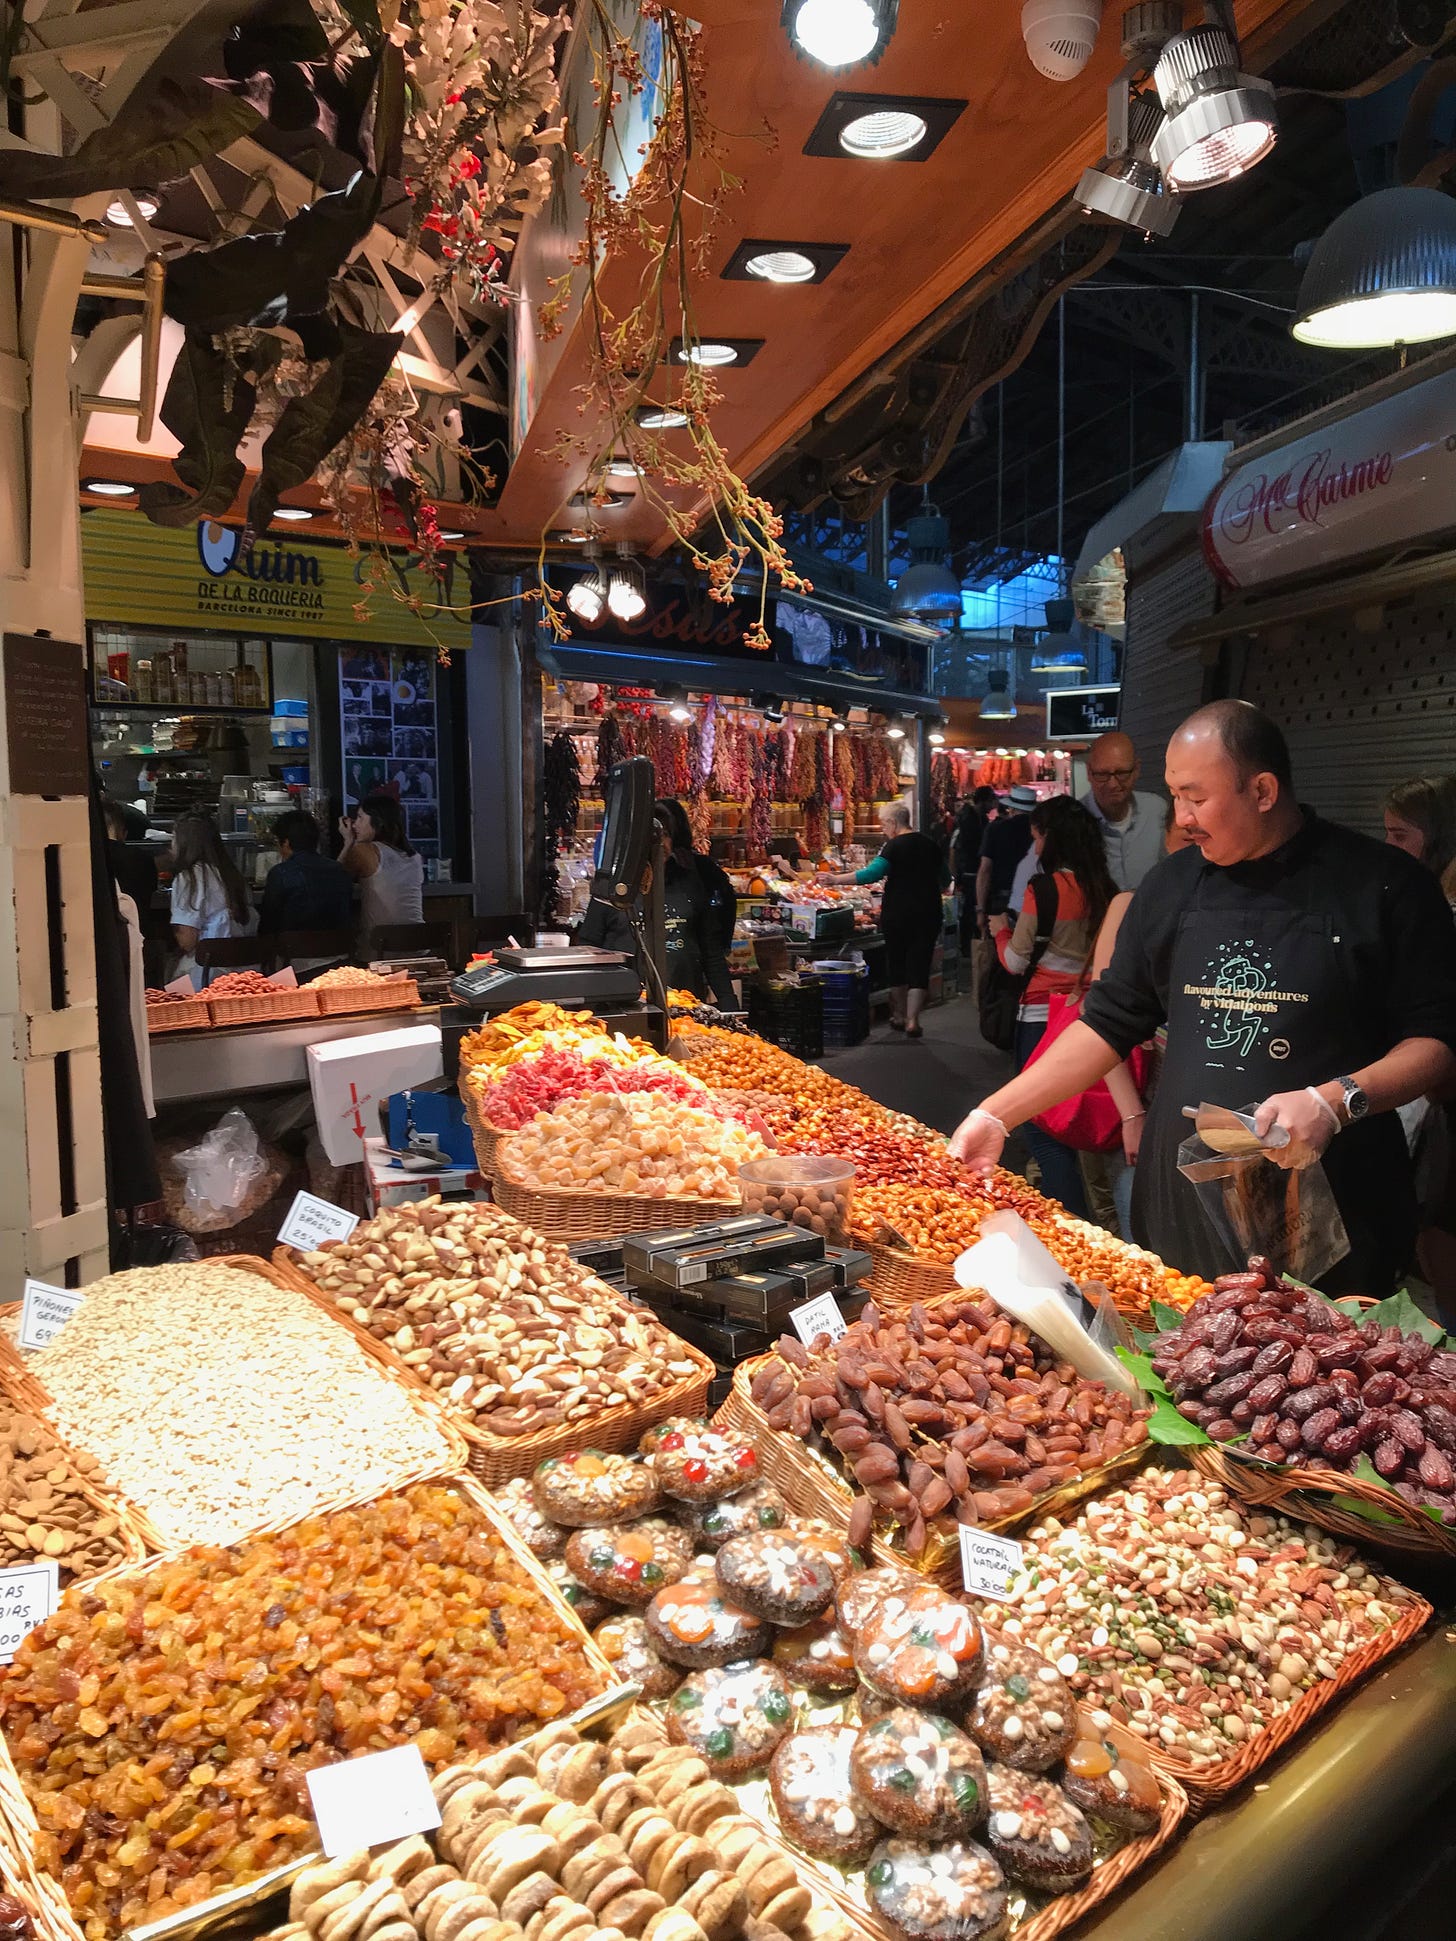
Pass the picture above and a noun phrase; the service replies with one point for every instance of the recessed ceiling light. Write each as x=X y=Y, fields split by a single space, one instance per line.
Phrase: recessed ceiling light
x=599 y=502
x=450 y=533
x=883 y=127
x=715 y=353
x=761 y=261
x=623 y=467
x=293 y=514
x=661 y=417
x=109 y=488
x=119 y=216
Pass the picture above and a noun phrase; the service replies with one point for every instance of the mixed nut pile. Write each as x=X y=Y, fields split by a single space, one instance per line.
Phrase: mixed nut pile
x=1192 y=1620
x=503 y=1323
x=44 y=1508
x=952 y=1410
x=1307 y=1384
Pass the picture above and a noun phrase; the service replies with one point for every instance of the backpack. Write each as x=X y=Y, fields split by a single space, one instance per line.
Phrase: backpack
x=1001 y=992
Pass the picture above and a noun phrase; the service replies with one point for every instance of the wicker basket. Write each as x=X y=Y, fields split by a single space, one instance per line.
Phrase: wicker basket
x=487 y=1146
x=302 y=1003
x=496 y=1459
x=188 y=1014
x=898 y=1278
x=25 y=1387
x=1314 y=1496
x=1206 y=1785
x=390 y=994
x=55 y=1920
x=561 y=1214
x=812 y=1486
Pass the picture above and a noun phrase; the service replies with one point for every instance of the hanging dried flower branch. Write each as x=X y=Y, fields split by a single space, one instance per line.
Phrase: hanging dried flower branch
x=723 y=526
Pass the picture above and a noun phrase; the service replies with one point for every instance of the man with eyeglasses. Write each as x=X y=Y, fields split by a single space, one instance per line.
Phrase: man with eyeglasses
x=1132 y=824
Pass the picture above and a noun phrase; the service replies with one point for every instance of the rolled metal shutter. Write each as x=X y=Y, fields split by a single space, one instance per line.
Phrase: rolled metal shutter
x=1160 y=685
x=1363 y=707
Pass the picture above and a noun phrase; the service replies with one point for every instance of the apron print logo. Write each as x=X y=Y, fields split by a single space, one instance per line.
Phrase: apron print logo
x=1235 y=985
x=1279 y=1048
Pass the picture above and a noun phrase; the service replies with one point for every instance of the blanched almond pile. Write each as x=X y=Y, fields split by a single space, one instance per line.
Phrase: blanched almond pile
x=221 y=1403
x=637 y=1142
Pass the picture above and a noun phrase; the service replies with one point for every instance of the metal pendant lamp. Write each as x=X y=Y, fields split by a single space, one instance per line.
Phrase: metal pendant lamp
x=928 y=588
x=1382 y=274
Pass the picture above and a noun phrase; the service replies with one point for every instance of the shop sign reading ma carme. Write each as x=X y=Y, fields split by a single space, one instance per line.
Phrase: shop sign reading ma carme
x=1357 y=487
x=270 y=581
x=200 y=581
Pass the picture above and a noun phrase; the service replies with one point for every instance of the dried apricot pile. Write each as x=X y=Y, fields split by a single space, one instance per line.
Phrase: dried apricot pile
x=162 y=1721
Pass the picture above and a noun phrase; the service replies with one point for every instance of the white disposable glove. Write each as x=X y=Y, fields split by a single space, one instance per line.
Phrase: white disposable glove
x=1309 y=1119
x=978 y=1140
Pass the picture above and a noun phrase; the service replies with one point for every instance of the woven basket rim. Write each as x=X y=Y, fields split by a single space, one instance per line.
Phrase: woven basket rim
x=1263 y=1485
x=530 y=1449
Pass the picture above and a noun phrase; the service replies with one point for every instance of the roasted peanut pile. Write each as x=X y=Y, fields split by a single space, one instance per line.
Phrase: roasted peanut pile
x=951 y=1410
x=1191 y=1619
x=44 y=1511
x=565 y=1840
x=221 y=1403
x=163 y=1720
x=347 y=976
x=506 y=1325
x=638 y=1142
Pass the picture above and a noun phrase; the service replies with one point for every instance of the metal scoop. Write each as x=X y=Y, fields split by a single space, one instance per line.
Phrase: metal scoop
x=1223 y=1130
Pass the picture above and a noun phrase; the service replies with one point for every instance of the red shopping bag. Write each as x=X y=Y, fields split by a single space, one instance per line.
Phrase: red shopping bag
x=1090 y=1121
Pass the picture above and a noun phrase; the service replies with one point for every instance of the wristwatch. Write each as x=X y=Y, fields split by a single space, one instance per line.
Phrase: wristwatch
x=1356 y=1102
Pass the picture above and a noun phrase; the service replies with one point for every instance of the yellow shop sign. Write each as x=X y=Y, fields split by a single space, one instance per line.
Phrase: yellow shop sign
x=141 y=575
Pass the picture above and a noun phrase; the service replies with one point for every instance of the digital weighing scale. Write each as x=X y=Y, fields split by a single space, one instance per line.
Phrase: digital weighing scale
x=599 y=979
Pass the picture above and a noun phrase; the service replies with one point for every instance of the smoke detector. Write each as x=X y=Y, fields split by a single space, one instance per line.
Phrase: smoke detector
x=1060 y=35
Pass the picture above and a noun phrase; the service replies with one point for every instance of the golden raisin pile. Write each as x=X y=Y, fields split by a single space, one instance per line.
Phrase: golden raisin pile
x=162 y=1721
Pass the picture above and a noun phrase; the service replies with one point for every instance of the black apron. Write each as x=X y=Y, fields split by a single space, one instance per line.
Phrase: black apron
x=1261 y=999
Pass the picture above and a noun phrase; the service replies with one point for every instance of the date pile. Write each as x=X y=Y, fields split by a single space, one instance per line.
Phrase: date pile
x=949 y=1411
x=1309 y=1386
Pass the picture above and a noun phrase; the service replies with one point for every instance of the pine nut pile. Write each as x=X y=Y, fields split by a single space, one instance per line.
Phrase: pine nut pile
x=221 y=1404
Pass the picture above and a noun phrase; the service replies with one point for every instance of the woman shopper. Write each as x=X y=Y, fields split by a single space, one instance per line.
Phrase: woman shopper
x=1420 y=818
x=209 y=898
x=377 y=854
x=915 y=876
x=1073 y=859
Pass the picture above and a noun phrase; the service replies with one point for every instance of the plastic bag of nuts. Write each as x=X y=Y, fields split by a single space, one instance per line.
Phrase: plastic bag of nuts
x=506 y=1325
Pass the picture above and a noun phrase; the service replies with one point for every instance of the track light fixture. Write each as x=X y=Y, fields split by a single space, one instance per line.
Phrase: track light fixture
x=626 y=586
x=768 y=705
x=840 y=33
x=1126 y=186
x=1219 y=121
x=587 y=598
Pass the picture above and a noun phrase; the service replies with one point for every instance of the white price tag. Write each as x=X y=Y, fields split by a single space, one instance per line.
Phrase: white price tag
x=45 y=1310
x=28 y=1595
x=989 y=1564
x=819 y=1316
x=376 y=1799
x=311 y=1221
x=181 y=987
x=285 y=979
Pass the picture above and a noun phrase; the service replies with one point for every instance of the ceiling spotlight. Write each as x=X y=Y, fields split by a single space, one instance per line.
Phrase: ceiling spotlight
x=836 y=727
x=935 y=738
x=680 y=713
x=1060 y=35
x=768 y=705
x=626 y=587
x=148 y=202
x=109 y=488
x=895 y=734
x=929 y=588
x=295 y=515
x=587 y=598
x=661 y=417
x=882 y=127
x=840 y=33
x=1219 y=121
x=1383 y=273
x=1126 y=186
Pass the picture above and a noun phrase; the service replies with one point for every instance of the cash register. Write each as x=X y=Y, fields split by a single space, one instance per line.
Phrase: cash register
x=602 y=980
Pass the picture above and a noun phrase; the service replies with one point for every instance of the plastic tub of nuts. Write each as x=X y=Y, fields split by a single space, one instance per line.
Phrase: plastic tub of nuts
x=804 y=1190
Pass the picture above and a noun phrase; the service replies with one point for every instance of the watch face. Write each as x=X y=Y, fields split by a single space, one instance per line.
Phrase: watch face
x=1356 y=1103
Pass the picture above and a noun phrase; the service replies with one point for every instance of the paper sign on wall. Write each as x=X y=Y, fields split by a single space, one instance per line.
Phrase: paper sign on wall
x=45 y=1310
x=28 y=1595
x=989 y=1564
x=311 y=1221
x=376 y=1799
x=819 y=1316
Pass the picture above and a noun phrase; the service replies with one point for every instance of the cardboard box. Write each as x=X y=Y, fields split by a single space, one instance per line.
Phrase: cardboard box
x=350 y=1076
x=388 y=1184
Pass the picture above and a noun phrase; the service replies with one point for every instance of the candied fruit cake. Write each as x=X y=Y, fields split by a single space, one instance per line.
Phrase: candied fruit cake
x=162 y=1721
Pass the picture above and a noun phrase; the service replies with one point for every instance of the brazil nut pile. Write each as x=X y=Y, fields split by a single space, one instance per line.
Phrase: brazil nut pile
x=952 y=1410
x=505 y=1325
x=1192 y=1620
x=1310 y=1385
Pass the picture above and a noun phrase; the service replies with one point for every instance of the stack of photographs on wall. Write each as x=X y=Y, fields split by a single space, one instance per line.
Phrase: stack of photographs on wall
x=387 y=715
